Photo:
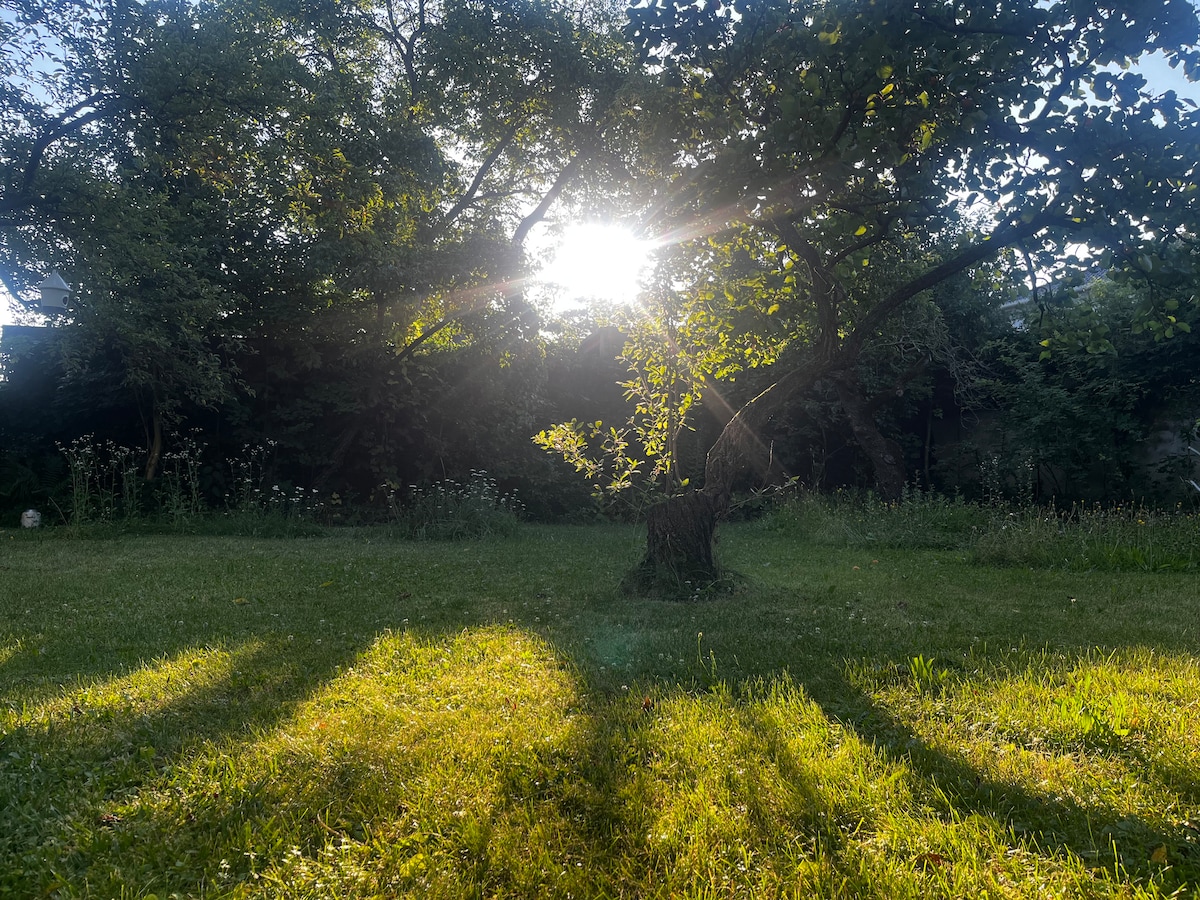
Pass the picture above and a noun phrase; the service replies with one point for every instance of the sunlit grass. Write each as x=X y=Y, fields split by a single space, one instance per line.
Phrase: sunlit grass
x=351 y=717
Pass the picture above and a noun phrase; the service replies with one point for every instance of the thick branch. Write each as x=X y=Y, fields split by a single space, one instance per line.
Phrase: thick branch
x=480 y=174
x=739 y=444
x=984 y=248
x=824 y=294
x=569 y=171
x=60 y=130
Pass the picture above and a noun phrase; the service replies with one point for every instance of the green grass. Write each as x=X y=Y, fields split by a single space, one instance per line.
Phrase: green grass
x=353 y=716
x=1128 y=537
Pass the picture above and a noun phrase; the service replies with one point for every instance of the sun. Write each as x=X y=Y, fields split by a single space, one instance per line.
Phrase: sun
x=597 y=261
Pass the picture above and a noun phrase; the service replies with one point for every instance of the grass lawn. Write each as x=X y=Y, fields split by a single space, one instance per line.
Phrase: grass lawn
x=353 y=716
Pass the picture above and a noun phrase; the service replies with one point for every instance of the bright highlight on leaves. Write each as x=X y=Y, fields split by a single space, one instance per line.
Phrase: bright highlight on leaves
x=830 y=37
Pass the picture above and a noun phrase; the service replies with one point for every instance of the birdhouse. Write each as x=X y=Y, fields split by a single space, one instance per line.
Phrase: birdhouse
x=54 y=292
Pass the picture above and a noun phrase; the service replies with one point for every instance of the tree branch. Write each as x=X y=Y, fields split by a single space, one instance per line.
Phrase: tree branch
x=869 y=241
x=825 y=287
x=569 y=171
x=985 y=248
x=478 y=300
x=739 y=444
x=60 y=130
x=481 y=173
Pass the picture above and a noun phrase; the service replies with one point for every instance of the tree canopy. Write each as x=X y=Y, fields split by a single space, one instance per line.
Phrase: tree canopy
x=843 y=159
x=865 y=152
x=211 y=173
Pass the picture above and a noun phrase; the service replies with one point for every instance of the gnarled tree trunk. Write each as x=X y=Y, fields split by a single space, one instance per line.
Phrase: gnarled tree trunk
x=679 y=543
x=680 y=531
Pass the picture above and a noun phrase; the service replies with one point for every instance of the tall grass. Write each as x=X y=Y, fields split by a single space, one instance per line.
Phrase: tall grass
x=450 y=510
x=107 y=490
x=1121 y=537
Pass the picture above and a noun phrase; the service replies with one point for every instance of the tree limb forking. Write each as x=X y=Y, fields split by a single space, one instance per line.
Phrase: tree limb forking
x=739 y=444
x=62 y=127
x=982 y=249
x=481 y=173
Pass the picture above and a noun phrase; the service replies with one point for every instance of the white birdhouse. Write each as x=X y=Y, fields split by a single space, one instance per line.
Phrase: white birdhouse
x=54 y=291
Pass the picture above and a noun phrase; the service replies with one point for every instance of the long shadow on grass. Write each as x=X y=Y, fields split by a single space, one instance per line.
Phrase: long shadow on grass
x=1049 y=824
x=70 y=766
x=589 y=786
x=622 y=788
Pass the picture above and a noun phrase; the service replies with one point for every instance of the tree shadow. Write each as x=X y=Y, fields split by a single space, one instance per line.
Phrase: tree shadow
x=74 y=761
x=604 y=803
x=1095 y=832
x=610 y=802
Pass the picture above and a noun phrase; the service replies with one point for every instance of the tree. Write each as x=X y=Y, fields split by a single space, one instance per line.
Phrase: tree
x=131 y=163
x=520 y=103
x=862 y=153
x=214 y=173
x=1079 y=424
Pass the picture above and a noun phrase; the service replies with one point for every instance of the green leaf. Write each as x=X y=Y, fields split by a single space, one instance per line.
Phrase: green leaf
x=830 y=37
